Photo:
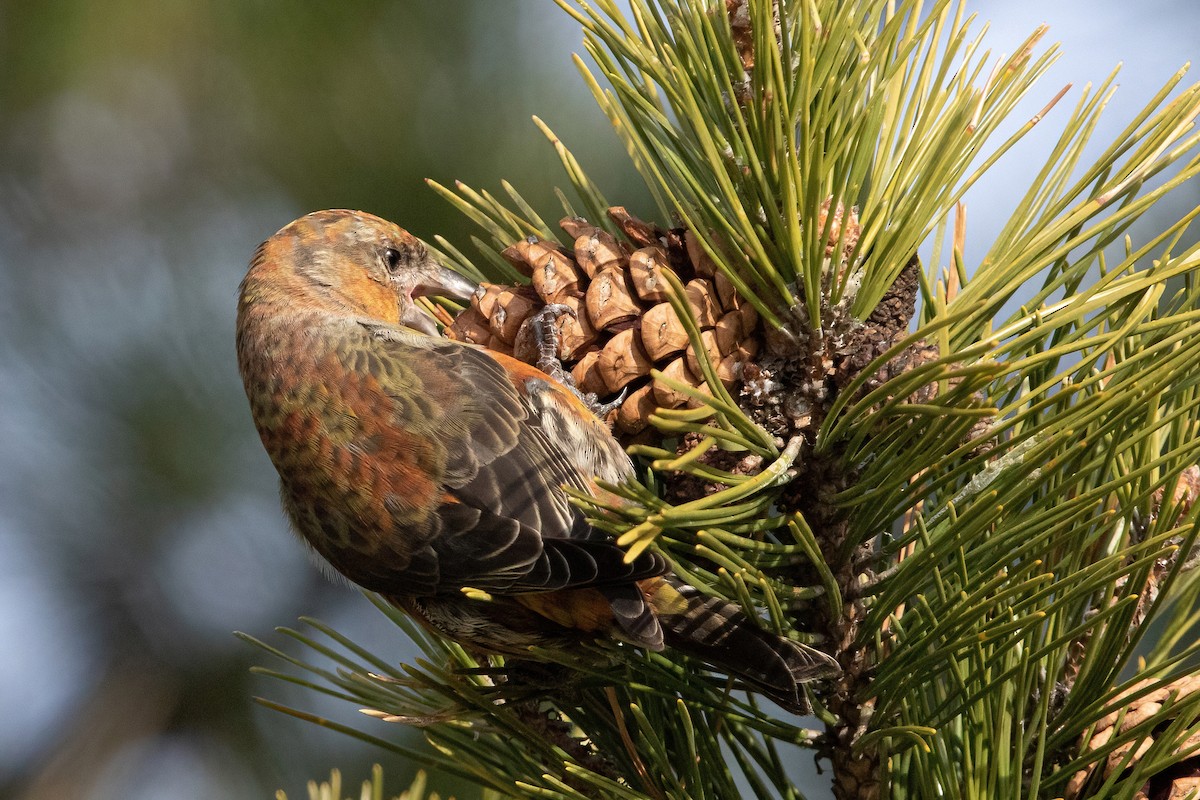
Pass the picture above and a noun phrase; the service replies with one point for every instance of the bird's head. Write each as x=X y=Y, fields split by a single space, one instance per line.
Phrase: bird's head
x=356 y=262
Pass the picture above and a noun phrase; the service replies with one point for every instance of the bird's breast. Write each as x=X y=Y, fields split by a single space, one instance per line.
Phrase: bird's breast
x=358 y=480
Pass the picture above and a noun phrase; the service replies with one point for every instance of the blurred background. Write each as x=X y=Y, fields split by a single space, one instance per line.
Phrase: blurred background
x=146 y=148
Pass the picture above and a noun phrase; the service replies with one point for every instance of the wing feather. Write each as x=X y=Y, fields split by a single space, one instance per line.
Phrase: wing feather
x=505 y=524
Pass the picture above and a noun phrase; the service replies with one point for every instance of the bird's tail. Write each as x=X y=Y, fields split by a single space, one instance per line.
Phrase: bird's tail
x=721 y=634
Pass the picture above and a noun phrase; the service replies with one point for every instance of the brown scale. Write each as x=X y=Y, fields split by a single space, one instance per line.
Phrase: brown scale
x=621 y=324
x=1178 y=780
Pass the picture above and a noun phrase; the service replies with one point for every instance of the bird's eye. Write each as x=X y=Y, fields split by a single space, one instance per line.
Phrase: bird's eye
x=392 y=259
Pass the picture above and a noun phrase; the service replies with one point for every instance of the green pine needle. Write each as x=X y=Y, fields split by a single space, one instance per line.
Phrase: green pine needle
x=1009 y=501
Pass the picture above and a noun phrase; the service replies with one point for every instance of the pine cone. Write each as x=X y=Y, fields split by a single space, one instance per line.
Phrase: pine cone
x=1176 y=781
x=1183 y=495
x=622 y=324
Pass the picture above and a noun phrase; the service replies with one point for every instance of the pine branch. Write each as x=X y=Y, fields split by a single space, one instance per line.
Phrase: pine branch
x=980 y=517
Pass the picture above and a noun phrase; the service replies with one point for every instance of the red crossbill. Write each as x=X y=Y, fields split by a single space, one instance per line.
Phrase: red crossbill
x=418 y=466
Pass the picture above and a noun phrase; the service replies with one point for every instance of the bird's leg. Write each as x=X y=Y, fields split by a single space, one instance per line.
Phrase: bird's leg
x=545 y=333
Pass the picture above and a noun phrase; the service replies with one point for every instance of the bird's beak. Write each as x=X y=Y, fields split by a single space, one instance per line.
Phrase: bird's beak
x=437 y=281
x=444 y=283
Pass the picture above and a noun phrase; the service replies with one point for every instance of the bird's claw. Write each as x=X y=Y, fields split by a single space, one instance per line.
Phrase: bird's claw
x=602 y=410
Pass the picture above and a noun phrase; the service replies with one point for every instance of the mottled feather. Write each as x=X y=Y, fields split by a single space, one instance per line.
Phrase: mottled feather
x=419 y=467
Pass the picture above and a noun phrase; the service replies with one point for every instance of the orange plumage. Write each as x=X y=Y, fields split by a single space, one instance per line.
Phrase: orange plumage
x=419 y=466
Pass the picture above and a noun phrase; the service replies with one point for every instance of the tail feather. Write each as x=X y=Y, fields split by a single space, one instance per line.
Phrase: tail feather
x=721 y=634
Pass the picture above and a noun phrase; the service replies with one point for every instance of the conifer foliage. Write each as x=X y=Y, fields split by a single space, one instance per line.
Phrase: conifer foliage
x=979 y=511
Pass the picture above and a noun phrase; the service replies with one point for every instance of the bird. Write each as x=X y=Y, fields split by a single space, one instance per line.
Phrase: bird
x=437 y=473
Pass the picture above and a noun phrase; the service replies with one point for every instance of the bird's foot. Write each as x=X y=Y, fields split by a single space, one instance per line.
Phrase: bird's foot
x=545 y=332
x=602 y=410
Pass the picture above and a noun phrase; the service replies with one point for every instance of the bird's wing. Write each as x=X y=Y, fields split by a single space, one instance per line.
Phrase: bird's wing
x=508 y=440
